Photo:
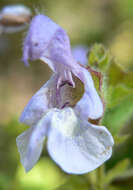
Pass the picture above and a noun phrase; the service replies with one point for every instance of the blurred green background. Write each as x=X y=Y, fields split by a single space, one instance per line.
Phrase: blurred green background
x=88 y=21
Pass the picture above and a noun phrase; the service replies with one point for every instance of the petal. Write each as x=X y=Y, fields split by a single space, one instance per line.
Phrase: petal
x=30 y=142
x=80 y=54
x=39 y=35
x=90 y=105
x=43 y=100
x=59 y=57
x=28 y=157
x=16 y=10
x=59 y=51
x=50 y=43
x=78 y=146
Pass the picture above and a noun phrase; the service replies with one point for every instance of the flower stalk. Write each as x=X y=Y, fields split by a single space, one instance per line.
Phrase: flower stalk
x=100 y=172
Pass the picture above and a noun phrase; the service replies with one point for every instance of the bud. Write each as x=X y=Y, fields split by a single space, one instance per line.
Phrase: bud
x=14 y=17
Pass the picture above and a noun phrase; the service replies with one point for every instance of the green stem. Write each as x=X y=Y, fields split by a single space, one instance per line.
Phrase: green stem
x=99 y=178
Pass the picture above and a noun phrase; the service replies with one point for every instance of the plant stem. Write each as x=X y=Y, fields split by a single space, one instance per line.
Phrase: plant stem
x=100 y=178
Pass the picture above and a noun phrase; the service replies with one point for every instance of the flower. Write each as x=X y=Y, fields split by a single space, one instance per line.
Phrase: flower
x=79 y=53
x=13 y=18
x=61 y=108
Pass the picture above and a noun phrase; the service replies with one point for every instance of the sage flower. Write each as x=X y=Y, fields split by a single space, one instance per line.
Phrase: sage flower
x=60 y=110
x=80 y=54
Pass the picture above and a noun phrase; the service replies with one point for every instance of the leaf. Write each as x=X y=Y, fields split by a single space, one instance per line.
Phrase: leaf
x=117 y=170
x=115 y=118
x=128 y=80
x=117 y=94
x=112 y=187
x=117 y=76
x=75 y=182
x=96 y=81
x=5 y=182
x=99 y=57
x=120 y=139
x=38 y=179
x=115 y=73
x=126 y=174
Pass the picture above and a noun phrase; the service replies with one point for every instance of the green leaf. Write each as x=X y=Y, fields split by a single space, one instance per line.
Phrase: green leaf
x=120 y=139
x=115 y=74
x=112 y=187
x=117 y=94
x=126 y=174
x=38 y=179
x=99 y=57
x=75 y=182
x=5 y=182
x=128 y=80
x=115 y=118
x=117 y=170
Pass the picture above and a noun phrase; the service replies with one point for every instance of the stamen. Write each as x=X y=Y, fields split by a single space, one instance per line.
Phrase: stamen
x=66 y=82
x=66 y=104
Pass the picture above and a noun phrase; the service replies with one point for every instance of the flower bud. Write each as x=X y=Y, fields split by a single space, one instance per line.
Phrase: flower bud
x=14 y=17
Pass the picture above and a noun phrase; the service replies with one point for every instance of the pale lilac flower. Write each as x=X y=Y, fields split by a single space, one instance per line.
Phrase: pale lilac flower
x=79 y=53
x=60 y=112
